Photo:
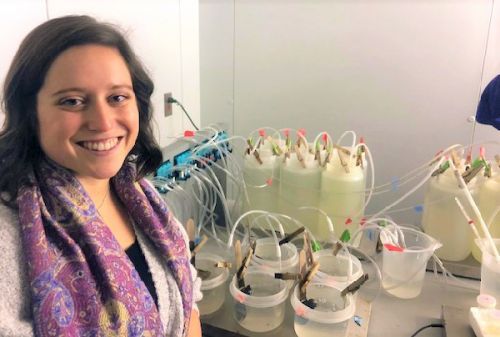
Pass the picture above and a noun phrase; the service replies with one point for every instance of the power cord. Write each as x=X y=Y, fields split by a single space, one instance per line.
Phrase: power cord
x=436 y=325
x=173 y=100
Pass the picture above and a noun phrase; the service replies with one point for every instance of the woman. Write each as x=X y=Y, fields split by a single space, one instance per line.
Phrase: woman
x=88 y=247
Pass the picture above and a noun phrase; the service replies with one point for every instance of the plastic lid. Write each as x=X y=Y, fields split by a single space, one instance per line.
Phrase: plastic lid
x=486 y=301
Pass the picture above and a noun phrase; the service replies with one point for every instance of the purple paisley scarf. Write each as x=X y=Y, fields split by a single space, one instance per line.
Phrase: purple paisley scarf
x=82 y=282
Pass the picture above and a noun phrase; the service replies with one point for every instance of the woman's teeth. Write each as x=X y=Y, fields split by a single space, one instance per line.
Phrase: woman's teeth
x=100 y=146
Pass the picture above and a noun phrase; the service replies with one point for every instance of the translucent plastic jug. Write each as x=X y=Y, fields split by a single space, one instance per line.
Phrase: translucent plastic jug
x=488 y=203
x=262 y=181
x=299 y=187
x=442 y=218
x=342 y=196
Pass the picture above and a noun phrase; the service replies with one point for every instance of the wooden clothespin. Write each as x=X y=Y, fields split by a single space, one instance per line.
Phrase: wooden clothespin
x=223 y=264
x=336 y=248
x=470 y=174
x=240 y=274
x=343 y=162
x=276 y=149
x=306 y=280
x=455 y=159
x=354 y=286
x=441 y=169
x=197 y=248
x=250 y=146
x=237 y=254
x=342 y=149
x=308 y=249
x=300 y=157
x=257 y=157
x=287 y=276
x=328 y=156
x=291 y=236
x=191 y=232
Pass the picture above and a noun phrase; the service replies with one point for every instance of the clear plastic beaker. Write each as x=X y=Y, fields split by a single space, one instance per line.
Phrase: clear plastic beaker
x=214 y=291
x=403 y=270
x=335 y=269
x=264 y=308
x=266 y=256
x=490 y=269
x=330 y=316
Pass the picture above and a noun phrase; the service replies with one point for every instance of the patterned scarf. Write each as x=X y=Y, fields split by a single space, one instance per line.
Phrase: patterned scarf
x=82 y=282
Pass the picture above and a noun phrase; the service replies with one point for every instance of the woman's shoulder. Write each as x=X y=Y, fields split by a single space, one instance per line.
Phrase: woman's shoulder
x=9 y=225
x=15 y=302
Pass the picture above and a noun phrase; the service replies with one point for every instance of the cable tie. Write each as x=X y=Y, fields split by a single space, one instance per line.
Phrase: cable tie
x=286 y=132
x=348 y=221
x=395 y=184
x=324 y=137
x=418 y=208
x=269 y=181
x=482 y=152
x=188 y=133
x=301 y=132
x=393 y=248
x=358 y=320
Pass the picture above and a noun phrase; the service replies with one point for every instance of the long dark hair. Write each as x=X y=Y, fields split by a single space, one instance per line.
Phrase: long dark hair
x=20 y=150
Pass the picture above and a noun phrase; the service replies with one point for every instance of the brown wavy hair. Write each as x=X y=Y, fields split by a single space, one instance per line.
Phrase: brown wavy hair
x=20 y=150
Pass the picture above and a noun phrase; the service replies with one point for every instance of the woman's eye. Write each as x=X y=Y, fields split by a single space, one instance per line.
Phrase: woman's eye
x=118 y=98
x=71 y=102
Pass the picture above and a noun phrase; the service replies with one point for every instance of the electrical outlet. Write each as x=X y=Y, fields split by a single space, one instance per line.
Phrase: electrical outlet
x=167 y=107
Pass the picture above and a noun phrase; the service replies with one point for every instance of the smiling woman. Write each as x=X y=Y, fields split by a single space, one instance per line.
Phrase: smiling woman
x=87 y=245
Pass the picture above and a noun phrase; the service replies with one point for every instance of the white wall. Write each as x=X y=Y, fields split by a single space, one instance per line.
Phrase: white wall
x=14 y=27
x=406 y=74
x=164 y=33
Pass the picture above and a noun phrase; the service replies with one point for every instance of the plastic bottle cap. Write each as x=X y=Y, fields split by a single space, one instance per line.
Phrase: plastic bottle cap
x=486 y=301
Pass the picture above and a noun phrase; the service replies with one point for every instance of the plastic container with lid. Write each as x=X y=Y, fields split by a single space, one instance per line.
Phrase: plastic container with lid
x=266 y=256
x=213 y=286
x=264 y=309
x=329 y=318
x=340 y=270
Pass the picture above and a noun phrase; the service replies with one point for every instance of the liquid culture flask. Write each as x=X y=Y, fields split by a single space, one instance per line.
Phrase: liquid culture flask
x=488 y=203
x=299 y=186
x=262 y=178
x=342 y=195
x=442 y=218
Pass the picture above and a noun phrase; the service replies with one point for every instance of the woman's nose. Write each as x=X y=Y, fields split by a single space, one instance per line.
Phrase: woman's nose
x=100 y=116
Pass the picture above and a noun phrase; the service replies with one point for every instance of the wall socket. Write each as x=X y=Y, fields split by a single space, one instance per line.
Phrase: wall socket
x=167 y=107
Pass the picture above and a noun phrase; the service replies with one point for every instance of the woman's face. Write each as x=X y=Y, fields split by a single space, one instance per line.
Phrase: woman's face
x=87 y=111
